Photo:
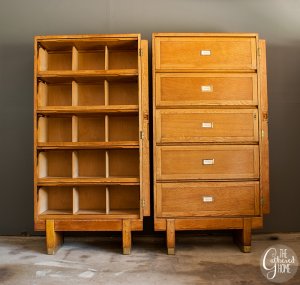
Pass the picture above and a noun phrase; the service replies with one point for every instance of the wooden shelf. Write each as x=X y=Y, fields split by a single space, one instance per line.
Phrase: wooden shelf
x=115 y=109
x=85 y=75
x=89 y=145
x=58 y=181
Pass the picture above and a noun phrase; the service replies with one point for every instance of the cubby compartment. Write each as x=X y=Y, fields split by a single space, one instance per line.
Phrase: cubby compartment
x=54 y=94
x=122 y=59
x=55 y=60
x=123 y=93
x=124 y=163
x=124 y=128
x=54 y=129
x=91 y=129
x=55 y=200
x=90 y=94
x=91 y=163
x=91 y=59
x=124 y=200
x=90 y=200
x=55 y=164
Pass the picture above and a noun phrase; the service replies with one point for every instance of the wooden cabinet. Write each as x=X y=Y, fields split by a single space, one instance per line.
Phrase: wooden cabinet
x=91 y=149
x=210 y=118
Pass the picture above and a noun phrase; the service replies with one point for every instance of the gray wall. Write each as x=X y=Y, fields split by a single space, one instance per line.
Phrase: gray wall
x=277 y=21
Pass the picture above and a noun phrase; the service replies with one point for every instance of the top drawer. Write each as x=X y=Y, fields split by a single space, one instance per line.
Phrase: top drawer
x=205 y=53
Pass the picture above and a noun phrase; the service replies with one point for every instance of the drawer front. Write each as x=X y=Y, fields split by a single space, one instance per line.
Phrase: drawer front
x=205 y=53
x=180 y=89
x=207 y=199
x=207 y=125
x=207 y=162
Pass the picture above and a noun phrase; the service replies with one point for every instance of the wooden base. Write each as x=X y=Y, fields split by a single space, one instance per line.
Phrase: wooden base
x=242 y=237
x=171 y=236
x=126 y=237
x=53 y=239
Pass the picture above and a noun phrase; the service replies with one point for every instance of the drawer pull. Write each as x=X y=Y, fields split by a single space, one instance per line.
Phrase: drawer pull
x=207 y=199
x=207 y=125
x=206 y=88
x=208 y=161
x=205 y=52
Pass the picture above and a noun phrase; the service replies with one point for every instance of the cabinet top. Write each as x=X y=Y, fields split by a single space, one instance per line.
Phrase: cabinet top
x=205 y=35
x=85 y=36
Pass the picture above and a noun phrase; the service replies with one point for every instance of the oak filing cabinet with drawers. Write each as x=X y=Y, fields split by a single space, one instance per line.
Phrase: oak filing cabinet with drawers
x=211 y=168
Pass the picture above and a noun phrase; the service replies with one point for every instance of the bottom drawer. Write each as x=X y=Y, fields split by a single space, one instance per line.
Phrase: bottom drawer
x=207 y=199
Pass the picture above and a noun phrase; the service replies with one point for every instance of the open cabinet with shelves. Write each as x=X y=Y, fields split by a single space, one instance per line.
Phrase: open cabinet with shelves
x=91 y=148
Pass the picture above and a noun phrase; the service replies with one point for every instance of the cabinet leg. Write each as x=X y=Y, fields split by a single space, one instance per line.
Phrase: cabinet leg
x=53 y=239
x=171 y=236
x=126 y=236
x=243 y=237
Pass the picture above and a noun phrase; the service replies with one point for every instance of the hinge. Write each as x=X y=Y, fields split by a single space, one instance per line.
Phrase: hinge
x=254 y=116
x=143 y=203
x=140 y=52
x=142 y=135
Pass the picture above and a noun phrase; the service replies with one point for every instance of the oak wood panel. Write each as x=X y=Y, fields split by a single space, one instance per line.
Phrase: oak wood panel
x=207 y=125
x=181 y=89
x=264 y=136
x=207 y=162
x=208 y=199
x=205 y=53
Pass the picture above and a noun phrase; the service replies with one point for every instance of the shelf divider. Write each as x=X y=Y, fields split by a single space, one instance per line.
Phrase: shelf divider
x=74 y=93
x=106 y=58
x=42 y=129
x=75 y=200
x=74 y=58
x=74 y=164
x=107 y=200
x=43 y=59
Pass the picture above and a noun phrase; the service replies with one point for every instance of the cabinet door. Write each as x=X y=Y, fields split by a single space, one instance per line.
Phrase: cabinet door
x=207 y=162
x=205 y=53
x=192 y=89
x=209 y=125
x=207 y=199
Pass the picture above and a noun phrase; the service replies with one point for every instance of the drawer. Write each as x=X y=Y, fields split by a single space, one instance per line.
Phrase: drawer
x=207 y=125
x=235 y=53
x=179 y=89
x=207 y=162
x=207 y=199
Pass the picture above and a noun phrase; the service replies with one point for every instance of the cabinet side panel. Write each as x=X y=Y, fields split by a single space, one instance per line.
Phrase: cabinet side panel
x=264 y=137
x=35 y=131
x=145 y=126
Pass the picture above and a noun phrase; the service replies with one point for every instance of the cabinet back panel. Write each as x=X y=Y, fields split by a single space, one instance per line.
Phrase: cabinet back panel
x=59 y=163
x=91 y=163
x=92 y=198
x=123 y=128
x=59 y=198
x=91 y=129
x=91 y=60
x=90 y=94
x=59 y=61
x=59 y=95
x=123 y=93
x=119 y=59
x=124 y=197
x=59 y=129
x=124 y=163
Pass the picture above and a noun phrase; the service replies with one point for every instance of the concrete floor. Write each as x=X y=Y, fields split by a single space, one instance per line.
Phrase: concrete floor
x=208 y=259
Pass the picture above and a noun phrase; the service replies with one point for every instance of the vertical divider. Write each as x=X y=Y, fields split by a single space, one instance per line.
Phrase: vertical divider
x=75 y=200
x=74 y=58
x=42 y=129
x=42 y=93
x=106 y=63
x=42 y=59
x=107 y=200
x=75 y=170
